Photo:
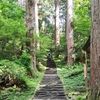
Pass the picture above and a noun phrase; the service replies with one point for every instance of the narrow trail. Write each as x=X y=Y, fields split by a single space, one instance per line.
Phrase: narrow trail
x=50 y=87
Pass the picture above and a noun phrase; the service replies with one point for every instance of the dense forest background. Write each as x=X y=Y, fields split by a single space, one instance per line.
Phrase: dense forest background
x=29 y=30
x=13 y=30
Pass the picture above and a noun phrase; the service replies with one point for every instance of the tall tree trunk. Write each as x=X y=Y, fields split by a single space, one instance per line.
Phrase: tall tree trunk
x=36 y=23
x=69 y=33
x=57 y=36
x=94 y=93
x=29 y=34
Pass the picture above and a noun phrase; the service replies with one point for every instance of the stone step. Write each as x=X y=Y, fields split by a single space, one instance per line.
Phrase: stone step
x=49 y=99
x=52 y=89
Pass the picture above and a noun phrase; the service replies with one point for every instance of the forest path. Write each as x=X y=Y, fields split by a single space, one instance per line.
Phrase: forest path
x=50 y=87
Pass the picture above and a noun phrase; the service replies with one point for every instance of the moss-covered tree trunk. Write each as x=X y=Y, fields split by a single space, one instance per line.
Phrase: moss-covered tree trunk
x=94 y=93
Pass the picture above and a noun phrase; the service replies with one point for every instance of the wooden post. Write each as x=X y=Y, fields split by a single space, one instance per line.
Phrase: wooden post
x=85 y=70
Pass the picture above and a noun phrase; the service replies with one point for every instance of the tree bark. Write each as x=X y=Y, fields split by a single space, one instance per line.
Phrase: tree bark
x=36 y=23
x=69 y=33
x=30 y=27
x=57 y=36
x=94 y=93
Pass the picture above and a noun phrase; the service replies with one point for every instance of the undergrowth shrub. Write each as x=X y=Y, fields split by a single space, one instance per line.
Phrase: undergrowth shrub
x=12 y=73
x=23 y=60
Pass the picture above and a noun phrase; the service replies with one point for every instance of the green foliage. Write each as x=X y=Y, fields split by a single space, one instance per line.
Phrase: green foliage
x=45 y=45
x=12 y=28
x=24 y=60
x=12 y=95
x=10 y=15
x=81 y=22
x=12 y=69
x=61 y=50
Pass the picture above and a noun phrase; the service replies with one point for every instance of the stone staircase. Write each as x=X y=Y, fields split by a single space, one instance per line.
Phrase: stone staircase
x=50 y=87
